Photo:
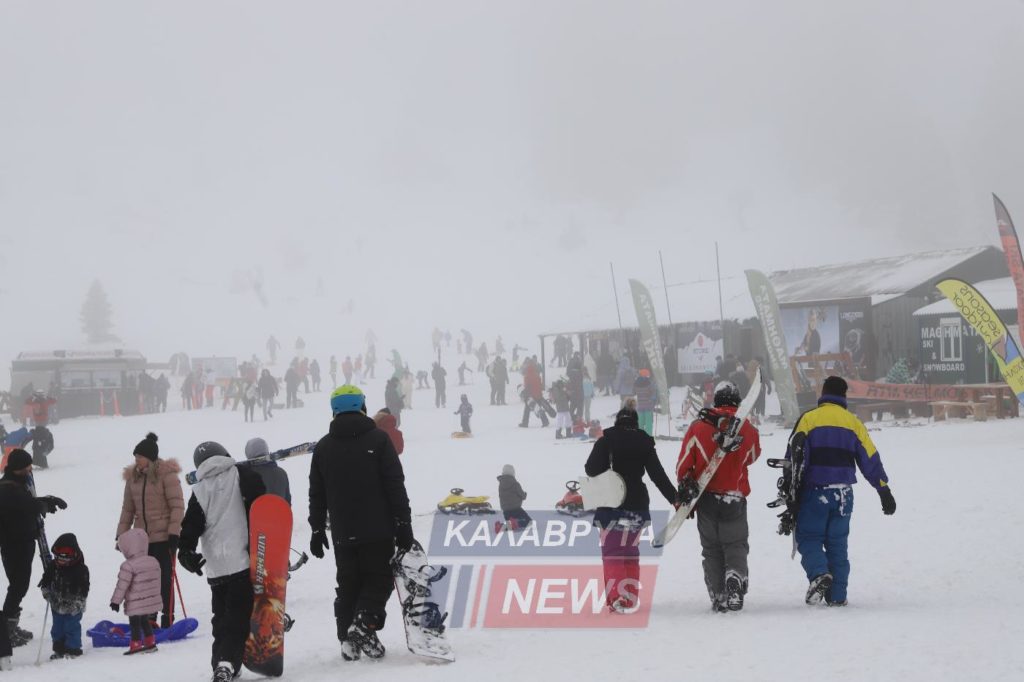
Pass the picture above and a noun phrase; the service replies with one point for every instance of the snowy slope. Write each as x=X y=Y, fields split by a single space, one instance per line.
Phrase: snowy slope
x=933 y=591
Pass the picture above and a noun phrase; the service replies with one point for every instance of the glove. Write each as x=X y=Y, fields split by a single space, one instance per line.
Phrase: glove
x=172 y=543
x=47 y=579
x=727 y=441
x=191 y=561
x=115 y=607
x=51 y=504
x=403 y=535
x=787 y=522
x=888 y=501
x=318 y=543
x=688 y=490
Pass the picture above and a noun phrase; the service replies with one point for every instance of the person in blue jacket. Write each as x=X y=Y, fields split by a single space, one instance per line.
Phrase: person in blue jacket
x=835 y=443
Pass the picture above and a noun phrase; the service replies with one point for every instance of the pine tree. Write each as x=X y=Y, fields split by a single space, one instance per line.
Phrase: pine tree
x=95 y=315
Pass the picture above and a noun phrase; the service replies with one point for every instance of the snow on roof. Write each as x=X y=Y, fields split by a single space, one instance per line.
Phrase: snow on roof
x=892 y=276
x=104 y=354
x=1001 y=293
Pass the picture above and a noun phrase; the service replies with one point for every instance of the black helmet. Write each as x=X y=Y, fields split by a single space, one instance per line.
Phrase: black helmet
x=726 y=394
x=205 y=451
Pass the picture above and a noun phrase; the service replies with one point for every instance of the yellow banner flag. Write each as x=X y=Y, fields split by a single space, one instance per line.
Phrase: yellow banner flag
x=979 y=314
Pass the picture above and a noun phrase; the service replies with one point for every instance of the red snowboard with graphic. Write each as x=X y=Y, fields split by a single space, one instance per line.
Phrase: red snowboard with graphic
x=270 y=535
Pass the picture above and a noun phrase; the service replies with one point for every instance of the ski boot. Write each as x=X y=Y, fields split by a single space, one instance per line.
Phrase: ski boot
x=58 y=650
x=72 y=653
x=818 y=588
x=624 y=606
x=831 y=602
x=18 y=636
x=149 y=644
x=362 y=638
x=224 y=672
x=134 y=647
x=734 y=591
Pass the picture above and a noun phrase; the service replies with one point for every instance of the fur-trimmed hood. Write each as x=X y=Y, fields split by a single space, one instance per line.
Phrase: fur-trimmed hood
x=156 y=469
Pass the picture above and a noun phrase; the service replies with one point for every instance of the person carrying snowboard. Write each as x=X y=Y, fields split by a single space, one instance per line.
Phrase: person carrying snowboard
x=218 y=514
x=356 y=480
x=833 y=442
x=722 y=510
x=65 y=585
x=465 y=411
x=275 y=478
x=19 y=528
x=511 y=497
x=138 y=586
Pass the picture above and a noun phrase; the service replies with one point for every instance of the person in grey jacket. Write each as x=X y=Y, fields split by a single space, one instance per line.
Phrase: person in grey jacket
x=274 y=477
x=511 y=496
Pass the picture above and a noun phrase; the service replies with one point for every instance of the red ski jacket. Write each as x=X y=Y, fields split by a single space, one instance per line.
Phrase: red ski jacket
x=699 y=447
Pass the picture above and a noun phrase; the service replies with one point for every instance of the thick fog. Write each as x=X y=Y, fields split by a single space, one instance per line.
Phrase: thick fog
x=401 y=165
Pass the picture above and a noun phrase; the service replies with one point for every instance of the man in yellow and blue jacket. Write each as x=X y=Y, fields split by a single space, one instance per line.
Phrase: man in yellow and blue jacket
x=835 y=443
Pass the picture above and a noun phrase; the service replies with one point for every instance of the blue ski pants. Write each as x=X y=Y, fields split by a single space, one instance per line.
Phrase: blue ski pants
x=822 y=531
x=67 y=628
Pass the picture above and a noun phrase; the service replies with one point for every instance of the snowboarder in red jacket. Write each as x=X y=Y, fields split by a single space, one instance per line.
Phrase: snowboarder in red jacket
x=722 y=510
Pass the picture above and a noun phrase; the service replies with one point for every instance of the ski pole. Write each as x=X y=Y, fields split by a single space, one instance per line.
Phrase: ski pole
x=170 y=601
x=174 y=575
x=42 y=635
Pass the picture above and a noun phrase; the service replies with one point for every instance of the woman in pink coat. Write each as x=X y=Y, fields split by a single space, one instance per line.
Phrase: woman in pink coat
x=138 y=586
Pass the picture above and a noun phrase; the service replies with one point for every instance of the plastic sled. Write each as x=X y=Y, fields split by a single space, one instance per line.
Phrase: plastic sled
x=107 y=634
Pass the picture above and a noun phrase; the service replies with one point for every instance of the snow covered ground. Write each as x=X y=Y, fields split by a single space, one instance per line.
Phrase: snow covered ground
x=934 y=592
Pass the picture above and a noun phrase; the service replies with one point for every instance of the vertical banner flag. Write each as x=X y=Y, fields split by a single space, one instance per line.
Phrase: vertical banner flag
x=979 y=314
x=651 y=339
x=767 y=308
x=1014 y=260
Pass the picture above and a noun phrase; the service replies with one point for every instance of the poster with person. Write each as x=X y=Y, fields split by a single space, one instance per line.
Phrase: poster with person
x=811 y=330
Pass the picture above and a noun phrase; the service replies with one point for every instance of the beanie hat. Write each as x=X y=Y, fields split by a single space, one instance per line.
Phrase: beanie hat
x=17 y=460
x=347 y=398
x=148 y=448
x=206 y=450
x=834 y=386
x=256 y=447
x=508 y=470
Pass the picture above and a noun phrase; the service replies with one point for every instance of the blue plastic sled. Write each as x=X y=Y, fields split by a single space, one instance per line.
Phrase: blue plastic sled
x=105 y=633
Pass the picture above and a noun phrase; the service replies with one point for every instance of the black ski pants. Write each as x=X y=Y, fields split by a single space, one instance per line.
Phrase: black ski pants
x=17 y=558
x=722 y=526
x=161 y=551
x=365 y=582
x=232 y=609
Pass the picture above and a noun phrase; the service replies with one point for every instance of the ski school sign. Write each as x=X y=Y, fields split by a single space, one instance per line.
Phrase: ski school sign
x=488 y=583
x=911 y=393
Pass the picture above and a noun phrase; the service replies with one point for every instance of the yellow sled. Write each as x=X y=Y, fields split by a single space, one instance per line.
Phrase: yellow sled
x=461 y=434
x=457 y=503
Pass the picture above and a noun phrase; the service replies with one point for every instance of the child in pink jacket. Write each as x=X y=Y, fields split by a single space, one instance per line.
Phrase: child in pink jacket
x=138 y=586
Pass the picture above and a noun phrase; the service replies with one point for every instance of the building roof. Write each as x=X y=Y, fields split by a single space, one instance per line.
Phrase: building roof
x=878 y=277
x=1000 y=293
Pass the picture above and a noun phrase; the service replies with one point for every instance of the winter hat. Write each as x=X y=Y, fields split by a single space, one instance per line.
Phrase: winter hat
x=206 y=450
x=256 y=447
x=508 y=470
x=627 y=418
x=66 y=550
x=834 y=386
x=347 y=398
x=148 y=448
x=645 y=373
x=17 y=460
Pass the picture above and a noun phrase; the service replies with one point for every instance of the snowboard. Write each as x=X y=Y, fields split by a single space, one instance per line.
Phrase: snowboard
x=423 y=620
x=284 y=453
x=672 y=527
x=789 y=486
x=270 y=534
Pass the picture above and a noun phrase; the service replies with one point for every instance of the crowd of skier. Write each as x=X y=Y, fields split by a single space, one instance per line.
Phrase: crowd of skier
x=358 y=504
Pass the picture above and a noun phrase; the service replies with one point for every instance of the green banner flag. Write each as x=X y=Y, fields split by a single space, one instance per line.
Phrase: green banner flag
x=767 y=306
x=651 y=340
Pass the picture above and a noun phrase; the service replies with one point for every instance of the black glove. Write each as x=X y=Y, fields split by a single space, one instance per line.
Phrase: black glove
x=115 y=607
x=888 y=501
x=403 y=535
x=47 y=578
x=191 y=561
x=688 y=490
x=172 y=543
x=787 y=522
x=51 y=504
x=727 y=441
x=318 y=543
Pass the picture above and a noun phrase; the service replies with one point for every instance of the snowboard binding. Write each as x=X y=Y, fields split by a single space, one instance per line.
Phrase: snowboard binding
x=458 y=503
x=571 y=503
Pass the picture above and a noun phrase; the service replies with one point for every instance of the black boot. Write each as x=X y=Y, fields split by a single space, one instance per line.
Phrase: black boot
x=18 y=636
x=58 y=650
x=362 y=636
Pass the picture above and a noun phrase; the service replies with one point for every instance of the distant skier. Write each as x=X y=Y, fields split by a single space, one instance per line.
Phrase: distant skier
x=268 y=391
x=393 y=399
x=387 y=423
x=273 y=345
x=833 y=440
x=356 y=482
x=624 y=379
x=346 y=369
x=722 y=510
x=563 y=419
x=464 y=412
x=440 y=376
x=314 y=374
x=533 y=394
x=462 y=373
x=291 y=386
x=371 y=362
x=334 y=372
x=422 y=379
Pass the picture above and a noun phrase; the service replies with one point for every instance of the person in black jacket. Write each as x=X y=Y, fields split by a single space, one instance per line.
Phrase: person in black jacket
x=356 y=479
x=19 y=528
x=65 y=585
x=630 y=452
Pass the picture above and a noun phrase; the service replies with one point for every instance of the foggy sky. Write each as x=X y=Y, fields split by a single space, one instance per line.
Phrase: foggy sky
x=475 y=163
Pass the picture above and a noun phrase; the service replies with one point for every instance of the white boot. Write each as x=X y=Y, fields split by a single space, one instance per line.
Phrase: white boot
x=5 y=663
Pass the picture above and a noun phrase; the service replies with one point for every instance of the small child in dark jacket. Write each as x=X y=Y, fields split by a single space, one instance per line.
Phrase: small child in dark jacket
x=65 y=586
x=511 y=496
x=465 y=411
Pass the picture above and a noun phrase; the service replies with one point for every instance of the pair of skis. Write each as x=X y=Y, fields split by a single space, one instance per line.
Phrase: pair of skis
x=732 y=429
x=277 y=455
